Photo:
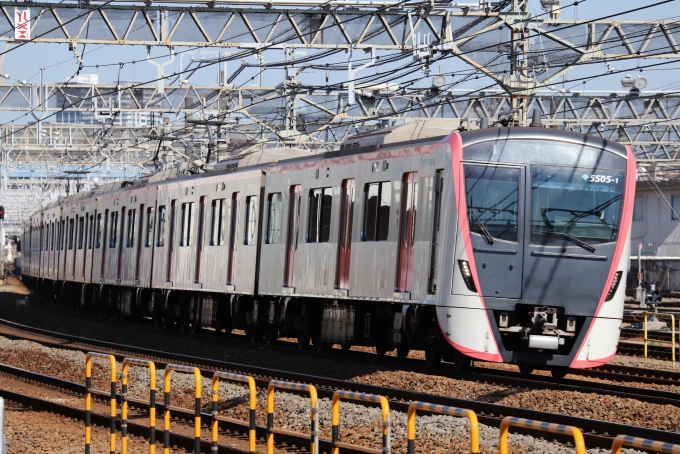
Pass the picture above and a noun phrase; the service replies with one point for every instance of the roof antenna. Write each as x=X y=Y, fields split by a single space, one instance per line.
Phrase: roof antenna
x=536 y=118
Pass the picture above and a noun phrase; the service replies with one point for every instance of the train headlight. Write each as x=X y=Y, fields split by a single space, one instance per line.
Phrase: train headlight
x=615 y=285
x=467 y=275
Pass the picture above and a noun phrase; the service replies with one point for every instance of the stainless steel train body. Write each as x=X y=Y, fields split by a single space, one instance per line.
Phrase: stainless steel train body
x=505 y=245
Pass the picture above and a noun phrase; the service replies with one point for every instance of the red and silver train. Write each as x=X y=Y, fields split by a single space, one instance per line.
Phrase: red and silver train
x=501 y=244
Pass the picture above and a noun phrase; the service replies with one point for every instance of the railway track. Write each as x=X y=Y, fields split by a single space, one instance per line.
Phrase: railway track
x=597 y=433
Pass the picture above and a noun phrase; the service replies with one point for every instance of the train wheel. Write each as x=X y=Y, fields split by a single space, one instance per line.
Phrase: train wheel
x=157 y=320
x=403 y=351
x=433 y=356
x=271 y=334
x=166 y=321
x=321 y=346
x=253 y=333
x=380 y=350
x=195 y=328
x=460 y=361
x=559 y=372
x=345 y=347
x=525 y=369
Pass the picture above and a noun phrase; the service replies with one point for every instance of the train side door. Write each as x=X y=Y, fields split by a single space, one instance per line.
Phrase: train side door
x=409 y=207
x=345 y=240
x=199 y=247
x=494 y=197
x=293 y=228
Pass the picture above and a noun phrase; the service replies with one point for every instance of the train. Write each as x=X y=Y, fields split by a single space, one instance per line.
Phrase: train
x=503 y=244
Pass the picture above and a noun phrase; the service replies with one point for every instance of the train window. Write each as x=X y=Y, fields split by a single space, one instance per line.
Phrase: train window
x=71 y=225
x=187 y=223
x=52 y=238
x=160 y=242
x=273 y=219
x=114 y=230
x=62 y=235
x=130 y=240
x=575 y=205
x=319 y=226
x=99 y=231
x=675 y=208
x=81 y=229
x=639 y=208
x=377 y=199
x=492 y=201
x=149 y=227
x=217 y=220
x=251 y=220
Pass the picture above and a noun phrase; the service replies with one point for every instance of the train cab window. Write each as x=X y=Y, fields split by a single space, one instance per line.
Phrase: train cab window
x=639 y=208
x=377 y=199
x=149 y=227
x=99 y=231
x=187 y=221
x=81 y=231
x=162 y=213
x=218 y=215
x=114 y=230
x=492 y=201
x=251 y=220
x=71 y=224
x=319 y=226
x=273 y=219
x=130 y=239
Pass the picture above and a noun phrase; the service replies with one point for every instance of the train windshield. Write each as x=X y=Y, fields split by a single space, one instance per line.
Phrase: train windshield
x=580 y=205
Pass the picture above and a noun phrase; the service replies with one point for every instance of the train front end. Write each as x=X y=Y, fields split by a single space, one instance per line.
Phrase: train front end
x=542 y=246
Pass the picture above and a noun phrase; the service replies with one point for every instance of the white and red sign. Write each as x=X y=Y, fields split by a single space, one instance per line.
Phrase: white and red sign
x=22 y=25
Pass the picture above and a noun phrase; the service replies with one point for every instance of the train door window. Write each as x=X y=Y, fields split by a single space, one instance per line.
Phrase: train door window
x=81 y=231
x=62 y=235
x=377 y=200
x=149 y=227
x=71 y=228
x=171 y=242
x=131 y=218
x=251 y=220
x=99 y=231
x=273 y=219
x=639 y=208
x=186 y=224
x=160 y=242
x=114 y=230
x=319 y=225
x=437 y=188
x=217 y=218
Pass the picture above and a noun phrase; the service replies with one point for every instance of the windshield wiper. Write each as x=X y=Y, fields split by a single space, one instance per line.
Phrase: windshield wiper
x=485 y=233
x=574 y=240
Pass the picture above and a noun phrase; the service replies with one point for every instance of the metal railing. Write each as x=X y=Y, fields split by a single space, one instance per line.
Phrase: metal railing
x=442 y=410
x=361 y=397
x=125 y=398
x=3 y=439
x=88 y=400
x=542 y=427
x=643 y=443
x=271 y=430
x=252 y=406
x=672 y=332
x=197 y=405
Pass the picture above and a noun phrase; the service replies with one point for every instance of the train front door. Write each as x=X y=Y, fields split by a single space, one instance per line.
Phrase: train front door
x=345 y=240
x=494 y=196
x=293 y=228
x=409 y=208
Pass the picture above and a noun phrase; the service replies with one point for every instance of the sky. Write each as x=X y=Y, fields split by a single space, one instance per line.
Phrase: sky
x=24 y=64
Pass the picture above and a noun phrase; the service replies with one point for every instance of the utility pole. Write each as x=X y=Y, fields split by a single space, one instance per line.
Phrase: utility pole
x=519 y=83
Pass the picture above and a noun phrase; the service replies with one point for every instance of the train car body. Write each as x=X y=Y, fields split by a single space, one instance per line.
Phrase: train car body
x=503 y=244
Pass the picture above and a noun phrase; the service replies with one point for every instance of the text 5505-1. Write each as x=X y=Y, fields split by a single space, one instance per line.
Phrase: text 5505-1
x=603 y=179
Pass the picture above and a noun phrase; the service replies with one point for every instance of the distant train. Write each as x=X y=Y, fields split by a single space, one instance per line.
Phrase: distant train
x=501 y=244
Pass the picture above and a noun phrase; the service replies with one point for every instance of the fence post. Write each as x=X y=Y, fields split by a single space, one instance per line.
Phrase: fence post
x=541 y=427
x=152 y=403
x=252 y=390
x=271 y=430
x=88 y=400
x=361 y=397
x=3 y=439
x=442 y=410
x=197 y=406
